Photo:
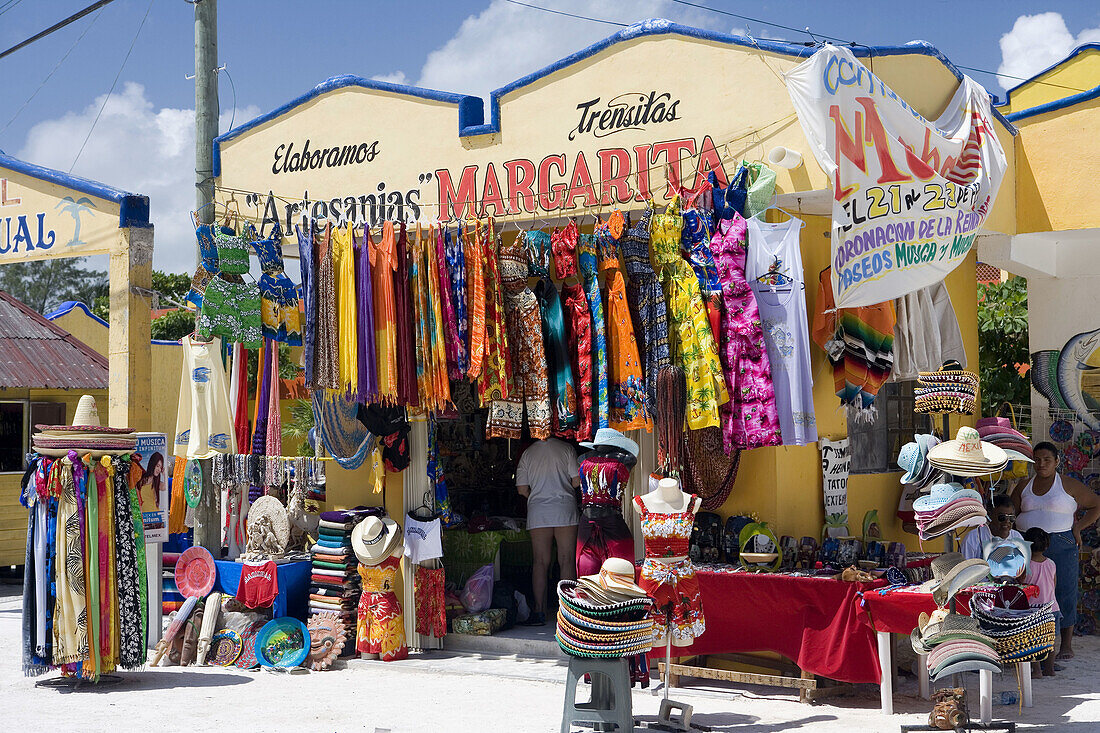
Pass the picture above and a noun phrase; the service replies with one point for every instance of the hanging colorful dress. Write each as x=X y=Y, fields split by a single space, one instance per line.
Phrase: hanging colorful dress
x=406 y=341
x=629 y=408
x=307 y=261
x=647 y=302
x=529 y=378
x=563 y=242
x=435 y=348
x=364 y=302
x=326 y=351
x=695 y=349
x=695 y=242
x=579 y=318
x=279 y=314
x=383 y=260
x=456 y=271
x=449 y=326
x=563 y=395
x=495 y=382
x=418 y=281
x=588 y=263
x=749 y=419
x=343 y=240
x=475 y=298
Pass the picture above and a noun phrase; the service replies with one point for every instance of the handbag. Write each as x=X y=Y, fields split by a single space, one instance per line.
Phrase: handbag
x=705 y=544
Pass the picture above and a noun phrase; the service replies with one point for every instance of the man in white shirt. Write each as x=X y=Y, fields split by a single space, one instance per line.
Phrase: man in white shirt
x=1001 y=522
x=547 y=475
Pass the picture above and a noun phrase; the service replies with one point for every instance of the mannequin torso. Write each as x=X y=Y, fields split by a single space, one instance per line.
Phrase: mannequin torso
x=667 y=498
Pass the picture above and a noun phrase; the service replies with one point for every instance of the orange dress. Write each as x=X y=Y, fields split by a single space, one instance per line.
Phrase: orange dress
x=475 y=298
x=380 y=622
x=383 y=260
x=628 y=394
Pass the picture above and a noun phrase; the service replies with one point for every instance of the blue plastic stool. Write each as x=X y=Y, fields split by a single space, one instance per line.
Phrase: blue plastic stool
x=611 y=704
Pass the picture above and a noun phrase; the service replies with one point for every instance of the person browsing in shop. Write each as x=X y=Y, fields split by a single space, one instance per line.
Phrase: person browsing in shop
x=1042 y=573
x=547 y=475
x=1002 y=519
x=1050 y=502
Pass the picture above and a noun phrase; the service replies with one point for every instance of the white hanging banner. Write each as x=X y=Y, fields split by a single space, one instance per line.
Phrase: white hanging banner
x=909 y=195
x=836 y=460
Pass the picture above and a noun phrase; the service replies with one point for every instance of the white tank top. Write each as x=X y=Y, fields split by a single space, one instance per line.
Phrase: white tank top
x=1052 y=512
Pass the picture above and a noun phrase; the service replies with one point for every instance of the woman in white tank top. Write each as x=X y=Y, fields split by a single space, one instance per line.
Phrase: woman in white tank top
x=1050 y=502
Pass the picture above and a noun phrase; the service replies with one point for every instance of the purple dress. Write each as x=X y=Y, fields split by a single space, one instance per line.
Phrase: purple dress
x=368 y=365
x=749 y=419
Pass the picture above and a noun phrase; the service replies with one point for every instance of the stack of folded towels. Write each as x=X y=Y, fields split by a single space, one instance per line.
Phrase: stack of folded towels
x=334 y=583
x=948 y=507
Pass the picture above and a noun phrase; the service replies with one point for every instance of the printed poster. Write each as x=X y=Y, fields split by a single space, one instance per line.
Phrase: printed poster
x=152 y=487
x=836 y=460
x=909 y=194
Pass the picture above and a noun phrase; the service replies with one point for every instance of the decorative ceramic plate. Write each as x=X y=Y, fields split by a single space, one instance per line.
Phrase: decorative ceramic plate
x=759 y=556
x=225 y=647
x=195 y=572
x=282 y=642
x=1061 y=431
x=247 y=659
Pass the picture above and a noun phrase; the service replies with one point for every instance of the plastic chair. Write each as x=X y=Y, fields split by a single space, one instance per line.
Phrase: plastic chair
x=611 y=704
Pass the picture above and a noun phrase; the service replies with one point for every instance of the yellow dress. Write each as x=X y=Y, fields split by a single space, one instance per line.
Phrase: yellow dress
x=344 y=253
x=380 y=624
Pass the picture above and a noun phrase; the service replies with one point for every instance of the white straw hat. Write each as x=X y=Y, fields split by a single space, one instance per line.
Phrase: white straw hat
x=373 y=539
x=968 y=455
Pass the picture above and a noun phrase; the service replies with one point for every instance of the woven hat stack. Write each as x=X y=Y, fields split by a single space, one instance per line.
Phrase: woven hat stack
x=948 y=507
x=85 y=435
x=968 y=455
x=999 y=432
x=954 y=643
x=1019 y=635
x=335 y=586
x=604 y=616
x=919 y=475
x=949 y=389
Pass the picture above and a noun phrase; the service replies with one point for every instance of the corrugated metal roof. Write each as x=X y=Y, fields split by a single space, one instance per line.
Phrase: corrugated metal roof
x=36 y=354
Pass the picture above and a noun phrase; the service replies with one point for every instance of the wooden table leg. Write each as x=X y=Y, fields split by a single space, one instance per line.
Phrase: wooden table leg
x=886 y=670
x=985 y=696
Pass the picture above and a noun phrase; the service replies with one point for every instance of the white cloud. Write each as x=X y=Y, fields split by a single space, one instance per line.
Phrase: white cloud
x=506 y=41
x=137 y=148
x=395 y=77
x=1036 y=42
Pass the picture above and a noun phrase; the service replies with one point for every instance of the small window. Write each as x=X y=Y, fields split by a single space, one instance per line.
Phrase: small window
x=13 y=436
x=876 y=442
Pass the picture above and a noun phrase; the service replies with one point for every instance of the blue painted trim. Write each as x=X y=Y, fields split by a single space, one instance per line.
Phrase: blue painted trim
x=471 y=119
x=70 y=305
x=133 y=208
x=1075 y=52
x=1057 y=104
x=471 y=110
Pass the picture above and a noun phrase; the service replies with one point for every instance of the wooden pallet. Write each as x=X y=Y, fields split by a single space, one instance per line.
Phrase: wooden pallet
x=805 y=684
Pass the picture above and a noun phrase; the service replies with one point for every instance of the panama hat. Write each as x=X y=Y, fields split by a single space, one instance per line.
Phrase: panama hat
x=911 y=460
x=612 y=438
x=968 y=455
x=943 y=494
x=374 y=538
x=1007 y=558
x=614 y=582
x=962 y=575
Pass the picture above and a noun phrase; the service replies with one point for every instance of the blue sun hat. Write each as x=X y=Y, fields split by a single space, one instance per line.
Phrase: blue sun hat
x=943 y=494
x=911 y=459
x=1007 y=558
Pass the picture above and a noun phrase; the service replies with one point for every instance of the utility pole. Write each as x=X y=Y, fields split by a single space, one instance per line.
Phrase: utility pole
x=208 y=532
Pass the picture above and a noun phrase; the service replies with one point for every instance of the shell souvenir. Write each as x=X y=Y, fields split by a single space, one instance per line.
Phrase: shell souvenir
x=326 y=639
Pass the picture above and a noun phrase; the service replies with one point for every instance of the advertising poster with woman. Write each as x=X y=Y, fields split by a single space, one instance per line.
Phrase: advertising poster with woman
x=151 y=455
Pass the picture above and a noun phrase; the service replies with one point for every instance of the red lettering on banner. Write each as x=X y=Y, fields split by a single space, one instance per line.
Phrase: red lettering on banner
x=491 y=194
x=559 y=190
x=521 y=178
x=581 y=183
x=641 y=153
x=876 y=135
x=848 y=145
x=613 y=177
x=709 y=160
x=464 y=196
x=672 y=150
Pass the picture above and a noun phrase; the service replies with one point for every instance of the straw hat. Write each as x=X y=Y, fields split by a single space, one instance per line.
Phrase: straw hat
x=374 y=538
x=942 y=495
x=85 y=435
x=963 y=575
x=616 y=578
x=612 y=438
x=85 y=420
x=968 y=455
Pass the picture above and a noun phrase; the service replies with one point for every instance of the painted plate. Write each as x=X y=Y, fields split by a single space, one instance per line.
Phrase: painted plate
x=1061 y=431
x=282 y=642
x=195 y=572
x=247 y=659
x=225 y=647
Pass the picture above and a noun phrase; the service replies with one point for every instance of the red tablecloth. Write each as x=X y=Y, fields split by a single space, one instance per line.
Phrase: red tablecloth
x=811 y=621
x=898 y=611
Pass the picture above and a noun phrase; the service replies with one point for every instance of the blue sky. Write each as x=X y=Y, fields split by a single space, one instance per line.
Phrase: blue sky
x=278 y=49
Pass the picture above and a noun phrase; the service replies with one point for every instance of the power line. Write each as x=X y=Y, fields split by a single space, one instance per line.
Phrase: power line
x=570 y=15
x=10 y=4
x=52 y=71
x=56 y=26
x=766 y=22
x=115 y=82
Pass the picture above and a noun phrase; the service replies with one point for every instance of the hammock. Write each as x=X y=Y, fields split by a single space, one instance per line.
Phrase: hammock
x=339 y=430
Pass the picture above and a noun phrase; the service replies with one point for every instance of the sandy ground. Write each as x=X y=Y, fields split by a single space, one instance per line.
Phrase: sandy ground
x=441 y=691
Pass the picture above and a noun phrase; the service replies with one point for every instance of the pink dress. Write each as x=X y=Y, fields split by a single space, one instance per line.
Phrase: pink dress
x=749 y=419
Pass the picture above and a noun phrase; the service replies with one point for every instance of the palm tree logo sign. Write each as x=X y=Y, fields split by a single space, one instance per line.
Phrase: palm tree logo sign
x=75 y=209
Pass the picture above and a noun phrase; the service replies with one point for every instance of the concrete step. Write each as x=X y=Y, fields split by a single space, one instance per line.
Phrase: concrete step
x=521 y=641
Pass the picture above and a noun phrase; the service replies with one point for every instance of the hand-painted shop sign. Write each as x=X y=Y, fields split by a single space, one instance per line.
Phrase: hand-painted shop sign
x=34 y=222
x=909 y=194
x=629 y=111
x=288 y=159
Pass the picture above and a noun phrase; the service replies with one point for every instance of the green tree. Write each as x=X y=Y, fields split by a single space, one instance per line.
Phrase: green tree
x=1003 y=343
x=170 y=286
x=45 y=284
x=173 y=325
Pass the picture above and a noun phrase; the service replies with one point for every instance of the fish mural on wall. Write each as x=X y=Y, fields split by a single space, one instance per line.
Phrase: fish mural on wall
x=1069 y=378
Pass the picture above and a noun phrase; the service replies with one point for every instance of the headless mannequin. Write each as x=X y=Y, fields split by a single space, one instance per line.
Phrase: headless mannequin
x=667 y=498
x=398 y=552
